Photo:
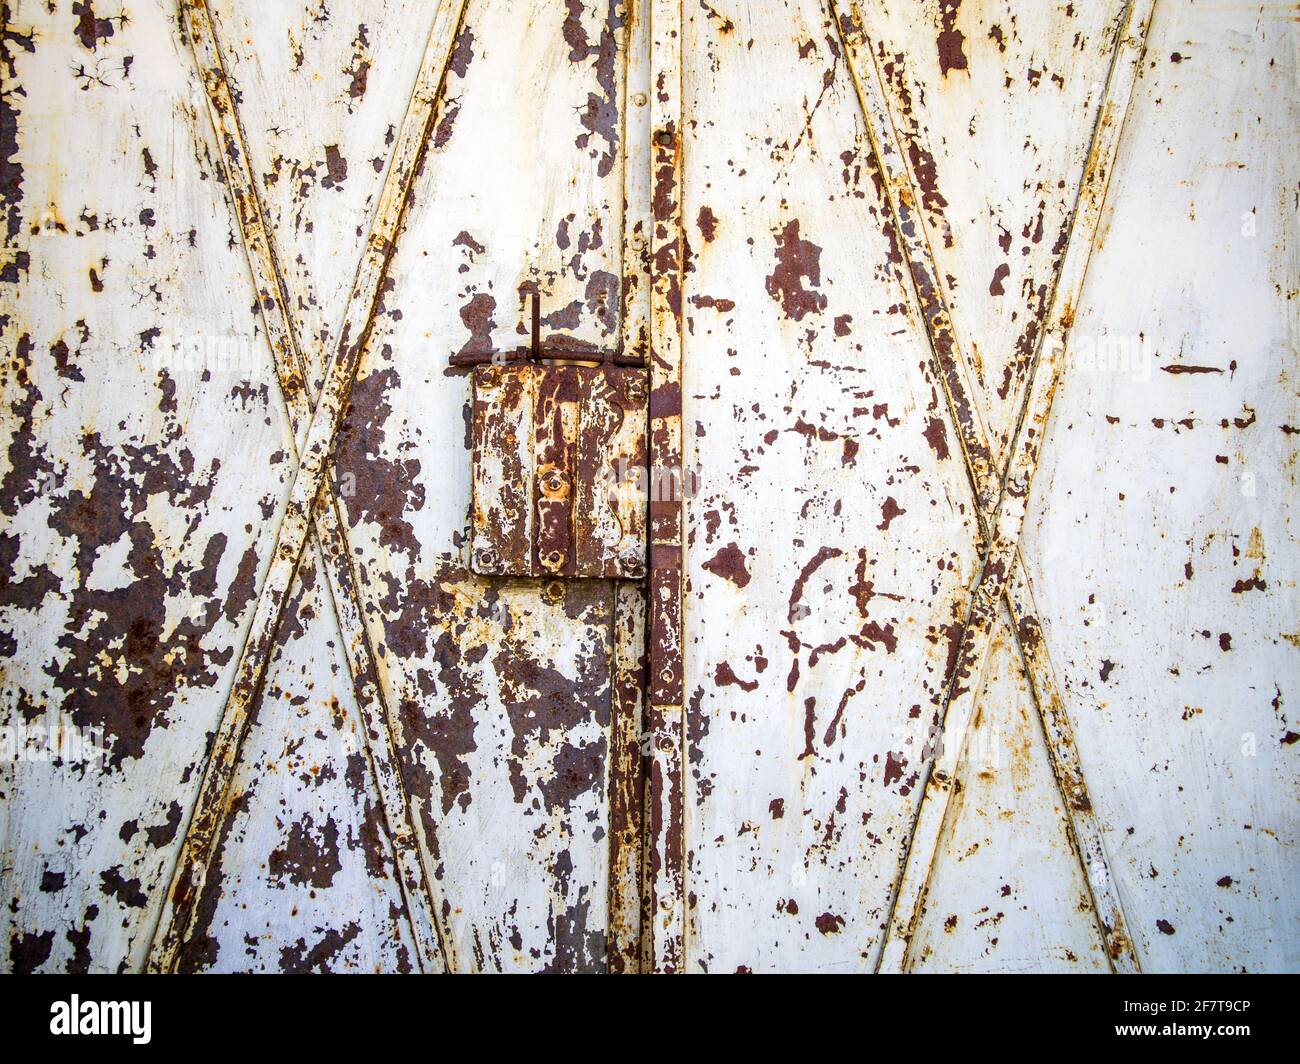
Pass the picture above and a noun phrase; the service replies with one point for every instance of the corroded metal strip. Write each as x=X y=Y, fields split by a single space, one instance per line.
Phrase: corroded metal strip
x=214 y=798
x=627 y=760
x=626 y=780
x=502 y=469
x=555 y=419
x=664 y=876
x=638 y=221
x=663 y=947
x=1001 y=552
x=1081 y=818
x=291 y=371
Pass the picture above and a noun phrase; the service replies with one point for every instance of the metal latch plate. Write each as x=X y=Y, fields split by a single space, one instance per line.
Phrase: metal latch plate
x=559 y=471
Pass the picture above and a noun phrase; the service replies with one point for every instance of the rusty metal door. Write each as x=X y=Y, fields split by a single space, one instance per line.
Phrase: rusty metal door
x=249 y=249
x=959 y=630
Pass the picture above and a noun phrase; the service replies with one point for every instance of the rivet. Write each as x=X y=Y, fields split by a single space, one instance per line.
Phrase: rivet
x=634 y=389
x=638 y=99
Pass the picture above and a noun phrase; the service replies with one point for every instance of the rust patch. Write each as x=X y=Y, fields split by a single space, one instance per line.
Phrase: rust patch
x=600 y=117
x=306 y=857
x=797 y=590
x=888 y=511
x=936 y=435
x=729 y=563
x=725 y=676
x=796 y=260
x=298 y=959
x=380 y=490
x=336 y=167
x=951 y=42
x=707 y=223
x=90 y=29
x=28 y=951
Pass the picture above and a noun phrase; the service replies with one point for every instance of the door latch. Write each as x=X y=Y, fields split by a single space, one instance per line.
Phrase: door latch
x=559 y=466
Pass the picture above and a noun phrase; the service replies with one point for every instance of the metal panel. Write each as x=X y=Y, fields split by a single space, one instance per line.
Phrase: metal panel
x=146 y=463
x=832 y=532
x=1162 y=524
x=966 y=634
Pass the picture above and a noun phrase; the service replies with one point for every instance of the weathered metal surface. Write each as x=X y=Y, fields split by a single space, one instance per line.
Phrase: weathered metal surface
x=1003 y=522
x=828 y=540
x=1162 y=520
x=145 y=463
x=966 y=635
x=209 y=821
x=296 y=381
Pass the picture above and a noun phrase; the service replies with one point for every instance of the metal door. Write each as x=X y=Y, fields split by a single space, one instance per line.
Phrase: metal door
x=966 y=640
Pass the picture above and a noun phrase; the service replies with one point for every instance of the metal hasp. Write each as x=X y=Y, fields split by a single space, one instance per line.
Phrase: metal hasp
x=559 y=471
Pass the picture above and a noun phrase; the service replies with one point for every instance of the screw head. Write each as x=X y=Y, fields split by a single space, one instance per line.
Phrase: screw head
x=635 y=390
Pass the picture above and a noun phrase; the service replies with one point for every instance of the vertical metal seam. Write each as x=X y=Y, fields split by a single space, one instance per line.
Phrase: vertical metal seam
x=627 y=626
x=199 y=843
x=952 y=369
x=664 y=880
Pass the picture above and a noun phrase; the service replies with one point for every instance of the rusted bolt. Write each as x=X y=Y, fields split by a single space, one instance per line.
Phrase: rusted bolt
x=666 y=676
x=554 y=558
x=638 y=99
x=665 y=744
x=487 y=558
x=631 y=562
x=634 y=390
x=554 y=591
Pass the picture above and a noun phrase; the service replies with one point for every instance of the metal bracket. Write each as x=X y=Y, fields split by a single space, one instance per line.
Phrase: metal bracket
x=559 y=471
